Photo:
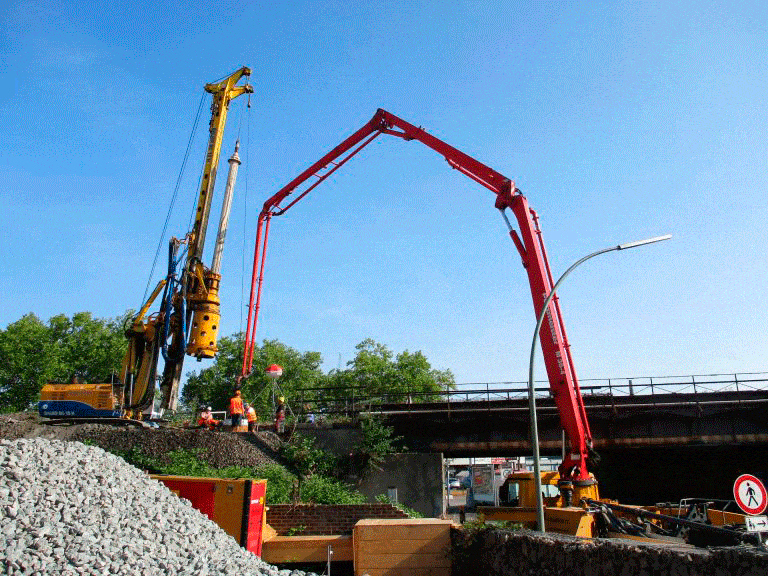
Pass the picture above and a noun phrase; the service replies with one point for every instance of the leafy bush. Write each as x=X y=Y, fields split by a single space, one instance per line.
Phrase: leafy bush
x=307 y=459
x=377 y=441
x=318 y=489
x=187 y=463
x=384 y=499
x=481 y=525
x=279 y=483
x=296 y=530
x=323 y=490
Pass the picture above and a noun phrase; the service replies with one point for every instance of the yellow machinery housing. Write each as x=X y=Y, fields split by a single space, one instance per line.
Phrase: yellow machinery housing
x=519 y=492
x=77 y=400
x=187 y=322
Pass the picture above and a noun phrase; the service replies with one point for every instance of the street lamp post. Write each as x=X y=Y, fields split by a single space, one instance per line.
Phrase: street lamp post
x=531 y=389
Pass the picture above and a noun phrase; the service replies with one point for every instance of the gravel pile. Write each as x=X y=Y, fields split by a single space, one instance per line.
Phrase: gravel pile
x=218 y=449
x=70 y=509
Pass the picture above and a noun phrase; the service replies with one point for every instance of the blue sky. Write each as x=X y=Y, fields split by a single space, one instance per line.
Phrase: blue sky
x=618 y=121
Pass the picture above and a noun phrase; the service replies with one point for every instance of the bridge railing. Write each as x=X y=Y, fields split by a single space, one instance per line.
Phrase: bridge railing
x=691 y=384
x=353 y=400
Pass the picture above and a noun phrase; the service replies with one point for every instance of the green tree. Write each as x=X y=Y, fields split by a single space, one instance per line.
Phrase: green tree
x=372 y=369
x=416 y=376
x=91 y=348
x=307 y=459
x=30 y=359
x=35 y=353
x=377 y=442
x=377 y=372
x=214 y=385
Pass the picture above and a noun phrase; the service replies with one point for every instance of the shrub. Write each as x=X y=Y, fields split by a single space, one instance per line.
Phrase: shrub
x=384 y=499
x=307 y=459
x=324 y=490
x=377 y=441
x=317 y=488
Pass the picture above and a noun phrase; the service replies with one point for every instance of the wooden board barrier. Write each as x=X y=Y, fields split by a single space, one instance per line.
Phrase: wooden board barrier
x=289 y=549
x=399 y=547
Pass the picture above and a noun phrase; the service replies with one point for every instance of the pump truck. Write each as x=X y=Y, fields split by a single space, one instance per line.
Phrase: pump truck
x=187 y=322
x=572 y=499
x=575 y=479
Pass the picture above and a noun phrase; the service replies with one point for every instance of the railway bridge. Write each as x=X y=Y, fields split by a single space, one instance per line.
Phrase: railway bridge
x=658 y=437
x=636 y=413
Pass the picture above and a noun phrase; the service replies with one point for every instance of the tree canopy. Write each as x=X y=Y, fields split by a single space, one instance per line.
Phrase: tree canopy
x=214 y=386
x=35 y=353
x=376 y=371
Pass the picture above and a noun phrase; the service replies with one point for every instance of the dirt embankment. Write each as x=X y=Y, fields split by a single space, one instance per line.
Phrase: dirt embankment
x=218 y=449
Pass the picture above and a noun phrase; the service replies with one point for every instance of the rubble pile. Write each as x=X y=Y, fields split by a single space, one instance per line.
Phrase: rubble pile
x=218 y=449
x=70 y=509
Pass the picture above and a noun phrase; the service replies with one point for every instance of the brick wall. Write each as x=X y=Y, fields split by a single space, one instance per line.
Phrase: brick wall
x=316 y=519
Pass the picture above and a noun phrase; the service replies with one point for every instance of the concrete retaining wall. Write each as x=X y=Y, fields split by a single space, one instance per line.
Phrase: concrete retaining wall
x=494 y=552
x=418 y=479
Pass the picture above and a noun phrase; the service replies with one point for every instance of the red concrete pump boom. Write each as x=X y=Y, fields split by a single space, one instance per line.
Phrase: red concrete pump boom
x=529 y=243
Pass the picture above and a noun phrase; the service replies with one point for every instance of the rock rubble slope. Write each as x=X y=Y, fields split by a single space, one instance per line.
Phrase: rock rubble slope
x=70 y=509
x=217 y=449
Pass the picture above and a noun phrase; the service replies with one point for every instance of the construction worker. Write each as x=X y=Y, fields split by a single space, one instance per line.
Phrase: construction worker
x=236 y=409
x=250 y=415
x=207 y=420
x=280 y=416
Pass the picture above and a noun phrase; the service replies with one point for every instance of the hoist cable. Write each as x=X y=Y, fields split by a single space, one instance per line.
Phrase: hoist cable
x=193 y=209
x=173 y=197
x=240 y=120
x=245 y=210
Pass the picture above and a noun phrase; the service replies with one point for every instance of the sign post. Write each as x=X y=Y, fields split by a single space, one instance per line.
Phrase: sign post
x=750 y=494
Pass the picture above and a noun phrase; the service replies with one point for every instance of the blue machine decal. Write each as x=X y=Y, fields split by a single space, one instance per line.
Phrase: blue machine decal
x=70 y=409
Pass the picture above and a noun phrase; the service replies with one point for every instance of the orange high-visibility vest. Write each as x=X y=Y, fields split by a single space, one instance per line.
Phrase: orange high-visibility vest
x=236 y=405
x=251 y=414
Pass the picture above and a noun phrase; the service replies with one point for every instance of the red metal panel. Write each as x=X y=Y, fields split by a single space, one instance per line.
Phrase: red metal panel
x=200 y=493
x=255 y=516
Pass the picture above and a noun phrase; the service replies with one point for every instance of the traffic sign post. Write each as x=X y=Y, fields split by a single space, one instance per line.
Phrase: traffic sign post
x=750 y=494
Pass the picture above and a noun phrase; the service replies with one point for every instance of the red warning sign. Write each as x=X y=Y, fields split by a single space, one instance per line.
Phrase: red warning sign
x=750 y=494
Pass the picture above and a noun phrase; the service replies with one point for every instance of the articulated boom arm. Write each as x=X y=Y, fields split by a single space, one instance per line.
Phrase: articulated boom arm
x=554 y=342
x=529 y=243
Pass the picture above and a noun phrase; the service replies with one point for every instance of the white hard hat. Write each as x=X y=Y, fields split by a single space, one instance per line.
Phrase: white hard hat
x=209 y=408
